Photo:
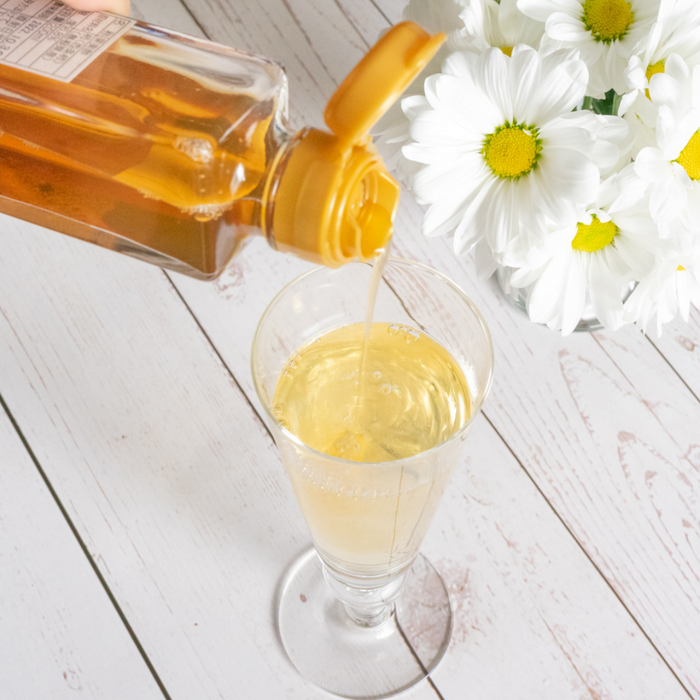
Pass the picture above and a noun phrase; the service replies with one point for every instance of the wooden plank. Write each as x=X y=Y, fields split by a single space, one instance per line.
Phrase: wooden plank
x=169 y=477
x=680 y=345
x=580 y=467
x=611 y=437
x=60 y=635
x=365 y=17
x=168 y=481
x=193 y=548
x=534 y=618
x=391 y=9
x=308 y=49
x=611 y=440
x=533 y=614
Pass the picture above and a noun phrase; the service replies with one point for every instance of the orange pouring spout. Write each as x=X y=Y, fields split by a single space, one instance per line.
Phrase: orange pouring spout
x=335 y=200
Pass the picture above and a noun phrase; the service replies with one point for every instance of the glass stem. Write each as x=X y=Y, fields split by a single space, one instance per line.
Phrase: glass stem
x=369 y=617
x=367 y=607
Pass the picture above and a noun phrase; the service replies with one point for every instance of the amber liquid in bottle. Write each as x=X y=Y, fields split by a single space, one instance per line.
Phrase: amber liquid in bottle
x=157 y=149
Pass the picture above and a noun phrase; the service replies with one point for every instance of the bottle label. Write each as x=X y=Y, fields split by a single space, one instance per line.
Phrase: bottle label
x=48 y=38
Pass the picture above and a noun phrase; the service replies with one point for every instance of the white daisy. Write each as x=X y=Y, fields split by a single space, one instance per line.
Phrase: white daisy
x=672 y=285
x=591 y=259
x=470 y=25
x=501 y=148
x=436 y=15
x=501 y=25
x=672 y=166
x=604 y=31
x=675 y=32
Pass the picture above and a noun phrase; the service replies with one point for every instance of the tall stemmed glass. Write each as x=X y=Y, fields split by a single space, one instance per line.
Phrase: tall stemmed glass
x=362 y=614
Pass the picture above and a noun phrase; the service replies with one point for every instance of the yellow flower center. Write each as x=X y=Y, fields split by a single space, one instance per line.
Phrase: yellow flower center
x=607 y=20
x=680 y=268
x=593 y=237
x=653 y=69
x=512 y=150
x=690 y=157
x=507 y=50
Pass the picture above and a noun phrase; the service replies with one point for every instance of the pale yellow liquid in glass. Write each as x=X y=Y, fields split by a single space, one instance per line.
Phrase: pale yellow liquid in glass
x=410 y=397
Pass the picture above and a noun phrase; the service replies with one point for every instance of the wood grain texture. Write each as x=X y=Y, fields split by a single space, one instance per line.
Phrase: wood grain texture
x=60 y=636
x=171 y=480
x=612 y=441
x=679 y=343
x=178 y=492
x=590 y=426
x=390 y=9
x=555 y=419
x=532 y=614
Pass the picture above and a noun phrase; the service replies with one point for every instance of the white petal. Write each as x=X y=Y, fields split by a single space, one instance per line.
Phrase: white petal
x=685 y=129
x=435 y=129
x=677 y=69
x=615 y=63
x=635 y=77
x=524 y=78
x=562 y=87
x=486 y=265
x=451 y=180
x=524 y=277
x=502 y=222
x=563 y=27
x=604 y=290
x=558 y=134
x=640 y=225
x=462 y=65
x=664 y=90
x=469 y=231
x=546 y=297
x=413 y=105
x=492 y=72
x=516 y=27
x=651 y=165
x=433 y=16
x=682 y=176
x=574 y=300
x=666 y=200
x=683 y=294
x=538 y=9
x=442 y=218
x=464 y=103
x=548 y=203
x=570 y=174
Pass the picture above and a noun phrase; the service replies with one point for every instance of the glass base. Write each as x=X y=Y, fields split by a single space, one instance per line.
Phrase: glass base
x=354 y=661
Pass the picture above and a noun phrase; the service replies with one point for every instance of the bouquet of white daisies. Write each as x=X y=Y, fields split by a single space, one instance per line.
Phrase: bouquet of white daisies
x=560 y=139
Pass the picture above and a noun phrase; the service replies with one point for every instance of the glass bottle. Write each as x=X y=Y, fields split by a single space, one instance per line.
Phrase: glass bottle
x=175 y=150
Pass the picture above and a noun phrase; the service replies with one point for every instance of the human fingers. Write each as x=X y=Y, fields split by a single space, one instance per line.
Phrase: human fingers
x=119 y=7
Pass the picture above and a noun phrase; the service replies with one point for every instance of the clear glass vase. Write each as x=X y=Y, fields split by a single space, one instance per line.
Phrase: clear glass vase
x=518 y=298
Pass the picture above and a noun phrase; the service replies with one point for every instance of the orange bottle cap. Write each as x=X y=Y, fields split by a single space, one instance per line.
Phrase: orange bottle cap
x=335 y=201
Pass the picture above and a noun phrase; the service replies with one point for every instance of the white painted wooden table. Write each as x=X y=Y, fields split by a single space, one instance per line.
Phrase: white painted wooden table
x=145 y=518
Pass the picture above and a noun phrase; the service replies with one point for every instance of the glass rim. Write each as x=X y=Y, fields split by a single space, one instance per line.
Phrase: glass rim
x=390 y=260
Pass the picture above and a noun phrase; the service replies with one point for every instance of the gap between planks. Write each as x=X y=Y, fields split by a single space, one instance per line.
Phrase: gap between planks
x=506 y=445
x=675 y=371
x=267 y=430
x=390 y=22
x=586 y=554
x=84 y=549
